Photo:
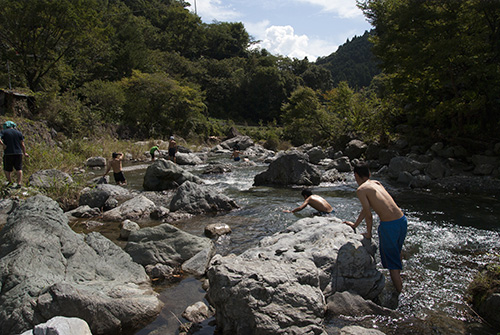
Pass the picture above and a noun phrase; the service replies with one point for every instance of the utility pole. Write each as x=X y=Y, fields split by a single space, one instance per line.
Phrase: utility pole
x=195 y=11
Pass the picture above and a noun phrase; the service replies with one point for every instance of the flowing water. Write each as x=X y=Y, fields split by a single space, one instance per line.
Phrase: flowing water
x=450 y=237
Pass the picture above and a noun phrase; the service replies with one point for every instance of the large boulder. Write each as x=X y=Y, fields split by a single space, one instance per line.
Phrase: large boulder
x=187 y=159
x=60 y=325
x=136 y=208
x=401 y=164
x=241 y=142
x=97 y=161
x=196 y=199
x=48 y=270
x=51 y=178
x=345 y=260
x=165 y=175
x=265 y=296
x=355 y=149
x=290 y=169
x=166 y=244
x=280 y=286
x=96 y=197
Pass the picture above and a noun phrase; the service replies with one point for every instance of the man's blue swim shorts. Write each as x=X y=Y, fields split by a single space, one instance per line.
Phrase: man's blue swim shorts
x=391 y=236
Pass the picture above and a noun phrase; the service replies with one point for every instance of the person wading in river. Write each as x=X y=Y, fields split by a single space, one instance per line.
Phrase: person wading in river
x=393 y=222
x=315 y=201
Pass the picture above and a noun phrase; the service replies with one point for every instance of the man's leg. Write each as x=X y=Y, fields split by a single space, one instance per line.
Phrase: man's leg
x=396 y=279
x=7 y=176
x=19 y=177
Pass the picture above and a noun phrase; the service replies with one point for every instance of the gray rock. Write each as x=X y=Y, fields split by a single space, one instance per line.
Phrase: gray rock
x=84 y=212
x=436 y=169
x=50 y=179
x=316 y=154
x=331 y=176
x=95 y=162
x=187 y=159
x=98 y=195
x=489 y=309
x=345 y=260
x=197 y=312
x=165 y=175
x=136 y=208
x=357 y=330
x=242 y=142
x=353 y=305
x=280 y=286
x=60 y=325
x=127 y=227
x=196 y=199
x=405 y=164
x=160 y=271
x=265 y=296
x=341 y=164
x=217 y=229
x=385 y=156
x=88 y=277
x=355 y=149
x=372 y=151
x=289 y=169
x=165 y=244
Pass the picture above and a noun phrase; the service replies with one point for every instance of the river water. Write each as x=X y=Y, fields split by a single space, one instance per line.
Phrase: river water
x=450 y=237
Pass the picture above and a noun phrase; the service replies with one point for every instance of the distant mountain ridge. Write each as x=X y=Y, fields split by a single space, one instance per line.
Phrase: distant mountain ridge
x=353 y=62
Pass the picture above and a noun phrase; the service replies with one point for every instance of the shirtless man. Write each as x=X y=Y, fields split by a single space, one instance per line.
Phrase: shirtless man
x=393 y=223
x=315 y=201
x=116 y=165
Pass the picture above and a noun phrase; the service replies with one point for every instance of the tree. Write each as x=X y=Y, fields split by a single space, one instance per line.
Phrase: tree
x=304 y=119
x=442 y=57
x=36 y=35
x=158 y=105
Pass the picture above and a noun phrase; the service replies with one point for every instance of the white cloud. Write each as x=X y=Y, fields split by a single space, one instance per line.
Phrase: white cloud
x=343 y=8
x=212 y=10
x=282 y=40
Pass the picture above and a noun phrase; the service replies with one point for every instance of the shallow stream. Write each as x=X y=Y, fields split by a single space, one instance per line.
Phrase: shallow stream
x=450 y=237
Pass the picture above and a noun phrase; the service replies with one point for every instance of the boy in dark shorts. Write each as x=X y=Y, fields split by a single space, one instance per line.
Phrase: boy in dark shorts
x=116 y=165
x=13 y=151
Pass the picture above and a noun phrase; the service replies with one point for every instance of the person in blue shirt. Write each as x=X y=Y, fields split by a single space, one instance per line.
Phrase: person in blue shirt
x=14 y=150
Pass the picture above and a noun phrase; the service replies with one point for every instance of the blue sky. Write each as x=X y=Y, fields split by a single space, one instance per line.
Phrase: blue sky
x=293 y=28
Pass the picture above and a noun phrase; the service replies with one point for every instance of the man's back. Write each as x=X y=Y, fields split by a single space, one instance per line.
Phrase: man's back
x=380 y=200
x=12 y=138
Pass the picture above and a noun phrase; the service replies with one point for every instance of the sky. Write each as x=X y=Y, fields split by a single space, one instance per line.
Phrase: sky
x=293 y=28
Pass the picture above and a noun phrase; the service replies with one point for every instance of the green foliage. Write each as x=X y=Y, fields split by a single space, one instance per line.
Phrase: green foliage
x=105 y=98
x=36 y=35
x=158 y=105
x=442 y=57
x=304 y=119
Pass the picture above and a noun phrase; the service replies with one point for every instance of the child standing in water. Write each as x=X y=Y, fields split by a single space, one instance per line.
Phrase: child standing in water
x=116 y=165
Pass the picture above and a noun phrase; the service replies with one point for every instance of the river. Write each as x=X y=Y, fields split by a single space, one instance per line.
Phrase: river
x=450 y=237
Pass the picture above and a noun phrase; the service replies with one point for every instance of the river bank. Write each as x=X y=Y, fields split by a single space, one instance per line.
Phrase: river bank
x=449 y=218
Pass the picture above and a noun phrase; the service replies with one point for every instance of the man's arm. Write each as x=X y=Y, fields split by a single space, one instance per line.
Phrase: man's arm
x=107 y=169
x=301 y=207
x=23 y=147
x=365 y=203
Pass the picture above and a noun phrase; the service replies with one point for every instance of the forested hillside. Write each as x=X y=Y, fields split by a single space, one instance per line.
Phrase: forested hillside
x=151 y=68
x=353 y=62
